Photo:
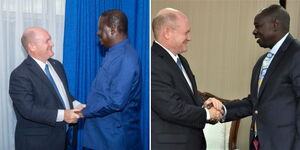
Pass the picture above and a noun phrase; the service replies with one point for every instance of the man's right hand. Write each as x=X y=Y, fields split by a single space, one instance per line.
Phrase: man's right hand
x=70 y=115
x=215 y=115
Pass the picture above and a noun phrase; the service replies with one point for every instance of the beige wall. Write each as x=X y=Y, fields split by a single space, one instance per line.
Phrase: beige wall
x=223 y=50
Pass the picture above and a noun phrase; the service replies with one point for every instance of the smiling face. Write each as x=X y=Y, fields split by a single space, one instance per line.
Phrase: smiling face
x=40 y=45
x=264 y=31
x=44 y=45
x=180 y=35
x=104 y=33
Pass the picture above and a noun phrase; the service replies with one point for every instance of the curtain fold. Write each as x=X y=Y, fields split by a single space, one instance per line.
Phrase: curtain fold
x=82 y=50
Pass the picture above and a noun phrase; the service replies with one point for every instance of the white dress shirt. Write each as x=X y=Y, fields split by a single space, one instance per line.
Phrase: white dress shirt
x=60 y=87
x=185 y=75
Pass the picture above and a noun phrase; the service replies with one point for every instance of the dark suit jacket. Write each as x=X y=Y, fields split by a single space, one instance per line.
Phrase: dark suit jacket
x=276 y=108
x=36 y=103
x=177 y=116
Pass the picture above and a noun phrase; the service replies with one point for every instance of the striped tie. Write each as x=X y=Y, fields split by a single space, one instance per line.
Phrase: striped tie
x=264 y=68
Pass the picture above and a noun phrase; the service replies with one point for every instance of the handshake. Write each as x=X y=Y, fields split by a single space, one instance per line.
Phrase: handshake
x=215 y=110
x=72 y=115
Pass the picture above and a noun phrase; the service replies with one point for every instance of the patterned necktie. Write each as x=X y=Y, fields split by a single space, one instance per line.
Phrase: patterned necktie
x=178 y=62
x=53 y=83
x=266 y=63
x=264 y=67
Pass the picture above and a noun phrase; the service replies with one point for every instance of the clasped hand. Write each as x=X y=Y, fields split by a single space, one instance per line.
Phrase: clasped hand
x=215 y=109
x=72 y=115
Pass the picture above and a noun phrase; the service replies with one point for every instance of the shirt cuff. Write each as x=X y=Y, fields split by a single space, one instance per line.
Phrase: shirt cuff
x=60 y=115
x=207 y=114
x=76 y=103
x=225 y=113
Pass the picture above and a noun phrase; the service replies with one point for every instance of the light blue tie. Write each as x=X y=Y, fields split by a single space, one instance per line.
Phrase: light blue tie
x=265 y=65
x=178 y=62
x=53 y=83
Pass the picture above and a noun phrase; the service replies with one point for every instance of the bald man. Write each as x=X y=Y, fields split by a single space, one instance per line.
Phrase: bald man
x=177 y=115
x=41 y=99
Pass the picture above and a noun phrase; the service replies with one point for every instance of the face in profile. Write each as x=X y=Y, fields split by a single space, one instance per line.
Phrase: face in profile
x=104 y=33
x=43 y=44
x=181 y=35
x=264 y=31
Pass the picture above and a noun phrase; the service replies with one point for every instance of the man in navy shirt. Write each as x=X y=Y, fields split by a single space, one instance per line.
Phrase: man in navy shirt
x=113 y=104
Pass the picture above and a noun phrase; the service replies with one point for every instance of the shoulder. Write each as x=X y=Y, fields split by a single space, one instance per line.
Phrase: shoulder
x=54 y=61
x=56 y=64
x=127 y=54
x=22 y=68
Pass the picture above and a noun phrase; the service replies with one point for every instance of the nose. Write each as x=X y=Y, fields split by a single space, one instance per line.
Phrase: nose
x=51 y=43
x=254 y=32
x=189 y=38
x=99 y=33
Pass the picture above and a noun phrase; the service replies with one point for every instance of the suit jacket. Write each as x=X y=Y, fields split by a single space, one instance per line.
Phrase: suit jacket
x=113 y=103
x=276 y=108
x=36 y=103
x=177 y=116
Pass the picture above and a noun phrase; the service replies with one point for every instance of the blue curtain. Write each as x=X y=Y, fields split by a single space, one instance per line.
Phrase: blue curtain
x=82 y=57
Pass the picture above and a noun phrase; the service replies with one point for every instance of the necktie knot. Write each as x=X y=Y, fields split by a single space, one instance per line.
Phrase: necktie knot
x=265 y=65
x=47 y=68
x=178 y=62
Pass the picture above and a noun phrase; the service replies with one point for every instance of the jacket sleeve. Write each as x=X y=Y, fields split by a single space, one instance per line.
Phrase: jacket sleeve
x=238 y=109
x=168 y=104
x=21 y=91
x=111 y=90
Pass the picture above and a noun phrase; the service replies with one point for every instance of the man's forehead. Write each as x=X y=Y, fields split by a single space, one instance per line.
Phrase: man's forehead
x=260 y=17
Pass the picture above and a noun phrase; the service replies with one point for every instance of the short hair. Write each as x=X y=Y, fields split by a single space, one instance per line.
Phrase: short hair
x=117 y=18
x=161 y=20
x=27 y=37
x=279 y=13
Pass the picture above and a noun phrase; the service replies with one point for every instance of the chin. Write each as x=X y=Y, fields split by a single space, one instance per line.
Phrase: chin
x=263 y=46
x=51 y=54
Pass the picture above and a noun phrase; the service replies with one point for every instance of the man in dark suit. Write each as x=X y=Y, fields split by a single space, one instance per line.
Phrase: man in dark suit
x=41 y=99
x=274 y=101
x=177 y=115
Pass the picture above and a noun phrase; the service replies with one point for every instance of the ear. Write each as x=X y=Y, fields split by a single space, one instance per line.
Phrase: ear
x=31 y=47
x=276 y=24
x=167 y=32
x=113 y=29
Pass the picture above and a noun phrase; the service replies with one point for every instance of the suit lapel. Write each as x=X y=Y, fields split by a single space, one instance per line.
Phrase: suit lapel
x=276 y=60
x=58 y=71
x=192 y=80
x=169 y=60
x=36 y=69
x=256 y=72
x=62 y=78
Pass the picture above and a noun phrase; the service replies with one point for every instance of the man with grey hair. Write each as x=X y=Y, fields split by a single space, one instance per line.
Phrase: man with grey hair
x=42 y=102
x=177 y=113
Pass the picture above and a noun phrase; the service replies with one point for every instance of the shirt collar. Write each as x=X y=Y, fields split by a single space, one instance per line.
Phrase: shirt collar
x=40 y=63
x=276 y=47
x=170 y=53
x=118 y=45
